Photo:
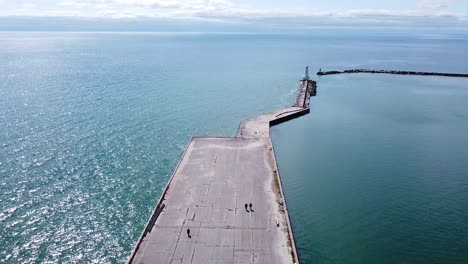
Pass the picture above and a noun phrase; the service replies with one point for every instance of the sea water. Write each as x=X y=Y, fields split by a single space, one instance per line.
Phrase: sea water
x=93 y=124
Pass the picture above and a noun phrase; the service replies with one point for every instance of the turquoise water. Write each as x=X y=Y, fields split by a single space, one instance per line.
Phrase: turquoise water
x=378 y=172
x=93 y=124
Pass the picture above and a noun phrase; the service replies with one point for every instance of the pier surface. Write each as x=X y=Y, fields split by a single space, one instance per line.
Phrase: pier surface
x=207 y=194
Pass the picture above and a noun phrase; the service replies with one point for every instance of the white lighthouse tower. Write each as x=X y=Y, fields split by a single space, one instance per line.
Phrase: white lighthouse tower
x=306 y=75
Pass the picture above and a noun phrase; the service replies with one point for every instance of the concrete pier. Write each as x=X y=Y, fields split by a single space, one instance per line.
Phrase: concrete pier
x=214 y=180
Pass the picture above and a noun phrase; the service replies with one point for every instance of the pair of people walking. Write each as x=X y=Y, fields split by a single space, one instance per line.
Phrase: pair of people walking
x=247 y=206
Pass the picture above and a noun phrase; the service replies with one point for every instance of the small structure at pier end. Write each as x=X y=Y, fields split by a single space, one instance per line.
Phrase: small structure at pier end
x=306 y=75
x=225 y=203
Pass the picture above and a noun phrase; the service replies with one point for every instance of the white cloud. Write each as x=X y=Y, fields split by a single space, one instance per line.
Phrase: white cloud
x=73 y=4
x=155 y=3
x=28 y=5
x=429 y=12
x=435 y=4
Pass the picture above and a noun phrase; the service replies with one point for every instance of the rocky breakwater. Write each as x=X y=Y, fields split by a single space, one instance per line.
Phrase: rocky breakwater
x=312 y=88
x=444 y=74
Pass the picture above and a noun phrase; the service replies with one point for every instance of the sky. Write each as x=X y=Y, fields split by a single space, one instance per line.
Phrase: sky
x=280 y=14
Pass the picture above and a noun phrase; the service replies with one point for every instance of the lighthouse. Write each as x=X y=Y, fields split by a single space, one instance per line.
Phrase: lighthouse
x=306 y=75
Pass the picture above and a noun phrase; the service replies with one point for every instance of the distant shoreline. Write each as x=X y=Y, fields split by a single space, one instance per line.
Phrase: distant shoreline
x=462 y=75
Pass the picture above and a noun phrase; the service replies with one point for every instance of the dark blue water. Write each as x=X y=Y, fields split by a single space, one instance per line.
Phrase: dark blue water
x=92 y=126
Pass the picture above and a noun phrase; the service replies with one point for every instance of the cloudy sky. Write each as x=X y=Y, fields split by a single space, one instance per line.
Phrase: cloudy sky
x=281 y=13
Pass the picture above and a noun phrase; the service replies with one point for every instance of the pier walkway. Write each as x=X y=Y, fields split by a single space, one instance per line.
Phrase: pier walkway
x=207 y=194
x=259 y=126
